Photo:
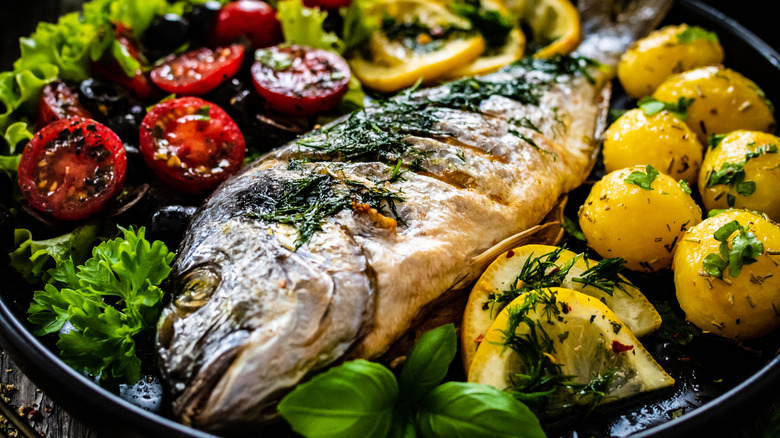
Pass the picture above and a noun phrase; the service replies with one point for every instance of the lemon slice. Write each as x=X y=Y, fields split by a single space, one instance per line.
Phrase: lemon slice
x=424 y=40
x=492 y=60
x=628 y=303
x=569 y=344
x=555 y=23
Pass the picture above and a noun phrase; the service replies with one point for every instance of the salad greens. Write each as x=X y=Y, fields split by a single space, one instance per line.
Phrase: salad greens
x=364 y=399
x=101 y=337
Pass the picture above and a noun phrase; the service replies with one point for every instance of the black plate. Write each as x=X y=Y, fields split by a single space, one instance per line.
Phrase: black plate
x=717 y=383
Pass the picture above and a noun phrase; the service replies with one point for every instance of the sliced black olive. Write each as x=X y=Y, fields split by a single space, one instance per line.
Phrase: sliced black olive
x=202 y=19
x=165 y=34
x=168 y=224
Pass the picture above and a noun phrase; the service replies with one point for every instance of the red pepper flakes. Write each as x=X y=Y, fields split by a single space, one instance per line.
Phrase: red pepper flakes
x=479 y=339
x=510 y=254
x=617 y=347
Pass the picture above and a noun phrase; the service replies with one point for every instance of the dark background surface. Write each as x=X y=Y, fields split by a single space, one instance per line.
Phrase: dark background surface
x=19 y=17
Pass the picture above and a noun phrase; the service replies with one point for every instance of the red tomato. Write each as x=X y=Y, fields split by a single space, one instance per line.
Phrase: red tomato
x=199 y=71
x=252 y=18
x=109 y=68
x=327 y=4
x=192 y=145
x=72 y=168
x=300 y=80
x=58 y=101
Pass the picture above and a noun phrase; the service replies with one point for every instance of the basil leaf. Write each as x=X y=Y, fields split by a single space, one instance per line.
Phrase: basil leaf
x=643 y=179
x=458 y=409
x=403 y=425
x=427 y=363
x=354 y=399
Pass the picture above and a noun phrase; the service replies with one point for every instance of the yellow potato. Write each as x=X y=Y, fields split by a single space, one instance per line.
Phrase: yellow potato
x=641 y=225
x=667 y=51
x=741 y=307
x=661 y=140
x=743 y=171
x=724 y=101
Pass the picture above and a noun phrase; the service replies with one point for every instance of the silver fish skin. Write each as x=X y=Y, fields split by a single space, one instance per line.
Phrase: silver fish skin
x=251 y=314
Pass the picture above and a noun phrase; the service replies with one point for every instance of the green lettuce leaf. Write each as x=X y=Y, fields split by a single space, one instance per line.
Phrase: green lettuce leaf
x=303 y=26
x=32 y=258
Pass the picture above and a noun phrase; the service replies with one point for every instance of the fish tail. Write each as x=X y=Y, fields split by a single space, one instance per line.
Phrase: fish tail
x=610 y=26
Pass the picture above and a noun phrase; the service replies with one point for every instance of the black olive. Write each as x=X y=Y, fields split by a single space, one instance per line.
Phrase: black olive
x=169 y=223
x=126 y=124
x=202 y=19
x=102 y=98
x=165 y=34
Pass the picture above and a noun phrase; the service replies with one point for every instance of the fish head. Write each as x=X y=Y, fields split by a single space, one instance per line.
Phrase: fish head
x=249 y=315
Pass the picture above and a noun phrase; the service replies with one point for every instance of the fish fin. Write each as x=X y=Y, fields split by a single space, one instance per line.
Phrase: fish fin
x=481 y=262
x=610 y=26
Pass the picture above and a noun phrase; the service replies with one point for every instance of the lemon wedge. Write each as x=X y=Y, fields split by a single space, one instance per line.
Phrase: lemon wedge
x=555 y=348
x=417 y=39
x=555 y=24
x=548 y=266
x=493 y=59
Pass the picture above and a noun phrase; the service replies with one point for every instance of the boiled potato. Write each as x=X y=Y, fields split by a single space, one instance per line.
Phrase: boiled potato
x=739 y=307
x=640 y=223
x=661 y=140
x=667 y=51
x=743 y=171
x=724 y=101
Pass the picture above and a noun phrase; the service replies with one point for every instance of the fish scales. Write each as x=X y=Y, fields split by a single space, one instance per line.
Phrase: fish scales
x=255 y=309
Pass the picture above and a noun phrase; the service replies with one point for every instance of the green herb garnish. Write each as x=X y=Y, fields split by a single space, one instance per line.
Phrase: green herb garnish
x=605 y=275
x=673 y=328
x=572 y=228
x=202 y=114
x=307 y=201
x=109 y=300
x=745 y=247
x=652 y=106
x=694 y=33
x=643 y=180
x=714 y=140
x=684 y=186
x=733 y=174
x=273 y=59
x=491 y=24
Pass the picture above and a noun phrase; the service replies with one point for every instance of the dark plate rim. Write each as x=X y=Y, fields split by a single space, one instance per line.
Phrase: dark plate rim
x=80 y=395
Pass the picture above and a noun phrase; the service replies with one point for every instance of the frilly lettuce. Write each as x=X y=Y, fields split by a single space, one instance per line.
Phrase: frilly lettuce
x=32 y=258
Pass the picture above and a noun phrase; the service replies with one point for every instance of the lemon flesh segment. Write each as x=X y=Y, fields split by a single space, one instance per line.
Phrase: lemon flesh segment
x=553 y=21
x=631 y=306
x=389 y=64
x=587 y=341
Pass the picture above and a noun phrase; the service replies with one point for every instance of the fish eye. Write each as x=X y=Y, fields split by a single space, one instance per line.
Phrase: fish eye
x=197 y=286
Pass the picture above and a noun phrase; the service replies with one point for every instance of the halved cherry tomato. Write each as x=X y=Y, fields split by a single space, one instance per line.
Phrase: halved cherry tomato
x=192 y=145
x=252 y=18
x=327 y=4
x=72 y=168
x=58 y=101
x=108 y=67
x=199 y=71
x=300 y=80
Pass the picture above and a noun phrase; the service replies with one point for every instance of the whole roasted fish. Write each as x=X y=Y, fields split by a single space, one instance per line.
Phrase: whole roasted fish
x=328 y=248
